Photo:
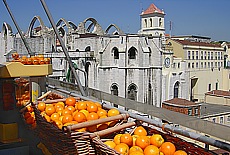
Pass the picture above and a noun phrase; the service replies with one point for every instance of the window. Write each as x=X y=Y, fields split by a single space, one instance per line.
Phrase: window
x=114 y=91
x=214 y=120
x=209 y=87
x=221 y=120
x=208 y=64
x=188 y=54
x=197 y=65
x=201 y=55
x=88 y=49
x=205 y=55
x=115 y=53
x=208 y=55
x=178 y=65
x=216 y=85
x=132 y=92
x=151 y=22
x=205 y=64
x=211 y=55
x=197 y=56
x=216 y=55
x=201 y=65
x=193 y=65
x=188 y=65
x=228 y=118
x=176 y=89
x=132 y=53
x=196 y=111
x=145 y=23
x=160 y=22
x=192 y=55
x=190 y=111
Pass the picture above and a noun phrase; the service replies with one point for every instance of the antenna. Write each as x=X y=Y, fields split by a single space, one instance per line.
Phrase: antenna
x=19 y=30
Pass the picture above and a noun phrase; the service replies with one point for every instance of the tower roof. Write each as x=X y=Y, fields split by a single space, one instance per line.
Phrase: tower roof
x=152 y=9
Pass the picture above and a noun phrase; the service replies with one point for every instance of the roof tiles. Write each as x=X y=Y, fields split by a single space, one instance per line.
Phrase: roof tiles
x=152 y=9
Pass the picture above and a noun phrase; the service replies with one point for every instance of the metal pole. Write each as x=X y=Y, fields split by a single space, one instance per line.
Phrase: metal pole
x=19 y=30
x=63 y=47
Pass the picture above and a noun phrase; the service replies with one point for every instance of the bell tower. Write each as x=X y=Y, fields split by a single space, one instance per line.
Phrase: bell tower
x=152 y=21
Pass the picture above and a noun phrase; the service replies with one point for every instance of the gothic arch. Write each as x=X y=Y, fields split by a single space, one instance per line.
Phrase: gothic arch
x=65 y=24
x=132 y=91
x=114 y=89
x=115 y=53
x=32 y=25
x=176 y=88
x=6 y=30
x=97 y=27
x=132 y=53
x=115 y=26
x=72 y=25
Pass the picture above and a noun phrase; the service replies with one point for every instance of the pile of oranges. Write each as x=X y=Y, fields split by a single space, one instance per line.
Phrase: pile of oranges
x=73 y=111
x=139 y=143
x=33 y=60
x=29 y=116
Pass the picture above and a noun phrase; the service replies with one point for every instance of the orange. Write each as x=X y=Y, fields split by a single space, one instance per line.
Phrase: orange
x=58 y=123
x=59 y=109
x=127 y=139
x=47 y=118
x=112 y=123
x=168 y=148
x=30 y=120
x=102 y=112
x=58 y=105
x=180 y=152
x=117 y=139
x=79 y=117
x=92 y=107
x=50 y=110
x=140 y=131
x=27 y=115
x=113 y=112
x=161 y=153
x=81 y=130
x=135 y=149
x=110 y=144
x=142 y=142
x=67 y=118
x=41 y=106
x=66 y=112
x=29 y=108
x=156 y=140
x=61 y=103
x=81 y=105
x=71 y=108
x=54 y=116
x=70 y=101
x=122 y=148
x=151 y=150
x=136 y=153
x=92 y=128
x=84 y=112
x=134 y=139
x=102 y=126
x=98 y=105
x=92 y=116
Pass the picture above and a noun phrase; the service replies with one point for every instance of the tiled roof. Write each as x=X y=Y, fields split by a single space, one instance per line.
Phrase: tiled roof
x=152 y=9
x=181 y=102
x=219 y=93
x=193 y=43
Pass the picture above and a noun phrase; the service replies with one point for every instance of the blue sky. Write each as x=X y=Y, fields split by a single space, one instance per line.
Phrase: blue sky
x=189 y=17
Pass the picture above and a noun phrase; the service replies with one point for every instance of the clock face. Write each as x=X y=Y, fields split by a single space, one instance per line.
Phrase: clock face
x=167 y=62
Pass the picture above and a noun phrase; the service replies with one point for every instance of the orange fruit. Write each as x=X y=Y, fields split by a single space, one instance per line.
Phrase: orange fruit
x=67 y=118
x=98 y=105
x=71 y=108
x=102 y=112
x=79 y=117
x=59 y=109
x=122 y=148
x=50 y=110
x=61 y=103
x=140 y=131
x=70 y=101
x=136 y=153
x=81 y=130
x=92 y=128
x=127 y=139
x=161 y=153
x=92 y=107
x=30 y=120
x=27 y=115
x=41 y=106
x=156 y=140
x=47 y=118
x=113 y=112
x=55 y=116
x=135 y=149
x=180 y=152
x=117 y=139
x=151 y=150
x=84 y=112
x=92 y=116
x=81 y=105
x=58 y=123
x=168 y=148
x=66 y=112
x=58 y=105
x=134 y=139
x=110 y=144
x=29 y=108
x=142 y=142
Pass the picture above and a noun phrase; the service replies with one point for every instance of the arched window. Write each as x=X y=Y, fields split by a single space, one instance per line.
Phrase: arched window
x=132 y=92
x=176 y=89
x=115 y=53
x=160 y=22
x=151 y=22
x=88 y=49
x=87 y=69
x=114 y=91
x=132 y=53
x=145 y=23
